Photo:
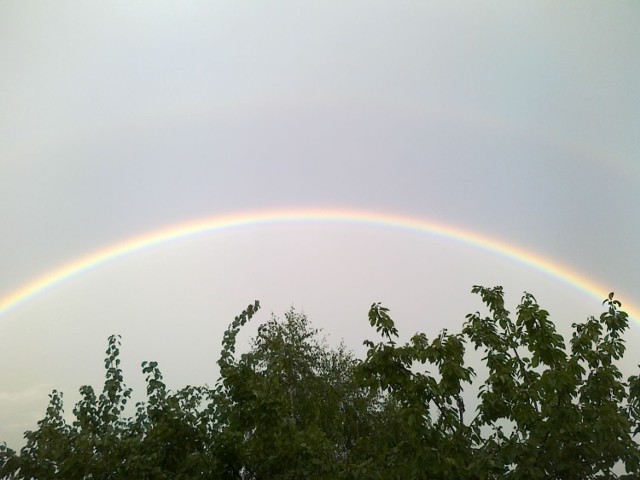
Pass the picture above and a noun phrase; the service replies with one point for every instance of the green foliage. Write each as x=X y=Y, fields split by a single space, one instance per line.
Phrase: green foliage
x=293 y=407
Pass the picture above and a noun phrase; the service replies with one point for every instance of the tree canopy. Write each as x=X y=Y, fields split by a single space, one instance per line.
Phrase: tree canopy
x=292 y=406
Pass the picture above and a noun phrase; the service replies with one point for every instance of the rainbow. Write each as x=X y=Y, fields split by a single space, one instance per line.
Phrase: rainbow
x=214 y=224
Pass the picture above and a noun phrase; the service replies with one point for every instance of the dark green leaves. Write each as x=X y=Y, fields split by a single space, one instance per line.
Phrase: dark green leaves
x=292 y=407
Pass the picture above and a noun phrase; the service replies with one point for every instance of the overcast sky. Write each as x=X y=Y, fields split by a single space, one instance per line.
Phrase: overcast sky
x=515 y=120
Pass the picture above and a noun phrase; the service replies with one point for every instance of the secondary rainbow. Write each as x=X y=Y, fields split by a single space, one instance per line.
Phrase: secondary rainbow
x=217 y=223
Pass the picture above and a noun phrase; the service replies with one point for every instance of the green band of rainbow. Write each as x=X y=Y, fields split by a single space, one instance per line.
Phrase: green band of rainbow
x=208 y=225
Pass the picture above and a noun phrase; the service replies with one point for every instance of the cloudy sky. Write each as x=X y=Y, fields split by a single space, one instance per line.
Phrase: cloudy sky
x=514 y=121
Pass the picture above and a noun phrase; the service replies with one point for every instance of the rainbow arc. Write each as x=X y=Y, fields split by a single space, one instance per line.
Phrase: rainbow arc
x=130 y=246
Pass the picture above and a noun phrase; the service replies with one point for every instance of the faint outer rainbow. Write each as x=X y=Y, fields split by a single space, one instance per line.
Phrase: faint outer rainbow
x=216 y=223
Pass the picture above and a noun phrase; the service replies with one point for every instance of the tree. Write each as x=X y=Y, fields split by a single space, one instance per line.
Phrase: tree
x=294 y=407
x=543 y=412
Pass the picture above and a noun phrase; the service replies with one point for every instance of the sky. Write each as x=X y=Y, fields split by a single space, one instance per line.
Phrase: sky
x=512 y=122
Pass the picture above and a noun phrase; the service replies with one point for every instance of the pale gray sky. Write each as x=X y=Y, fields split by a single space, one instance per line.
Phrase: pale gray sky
x=514 y=120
